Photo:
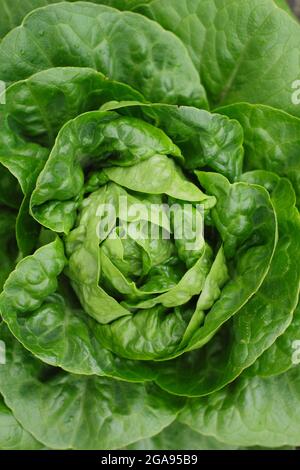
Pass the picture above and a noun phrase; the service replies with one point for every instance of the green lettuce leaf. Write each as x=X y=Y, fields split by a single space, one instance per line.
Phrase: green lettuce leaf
x=12 y=435
x=271 y=139
x=169 y=76
x=229 y=41
x=77 y=412
x=253 y=411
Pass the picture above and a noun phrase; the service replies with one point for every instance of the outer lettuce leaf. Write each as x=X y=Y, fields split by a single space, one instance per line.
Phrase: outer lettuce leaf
x=24 y=161
x=125 y=4
x=77 y=412
x=12 y=435
x=139 y=52
x=14 y=12
x=229 y=41
x=253 y=411
x=271 y=140
x=179 y=437
x=283 y=354
x=56 y=95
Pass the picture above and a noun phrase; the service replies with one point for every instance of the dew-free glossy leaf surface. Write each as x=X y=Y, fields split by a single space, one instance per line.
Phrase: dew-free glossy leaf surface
x=72 y=411
x=251 y=411
x=122 y=45
x=229 y=41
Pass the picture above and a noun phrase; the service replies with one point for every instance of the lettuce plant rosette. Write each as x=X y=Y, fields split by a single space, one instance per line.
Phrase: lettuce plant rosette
x=150 y=252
